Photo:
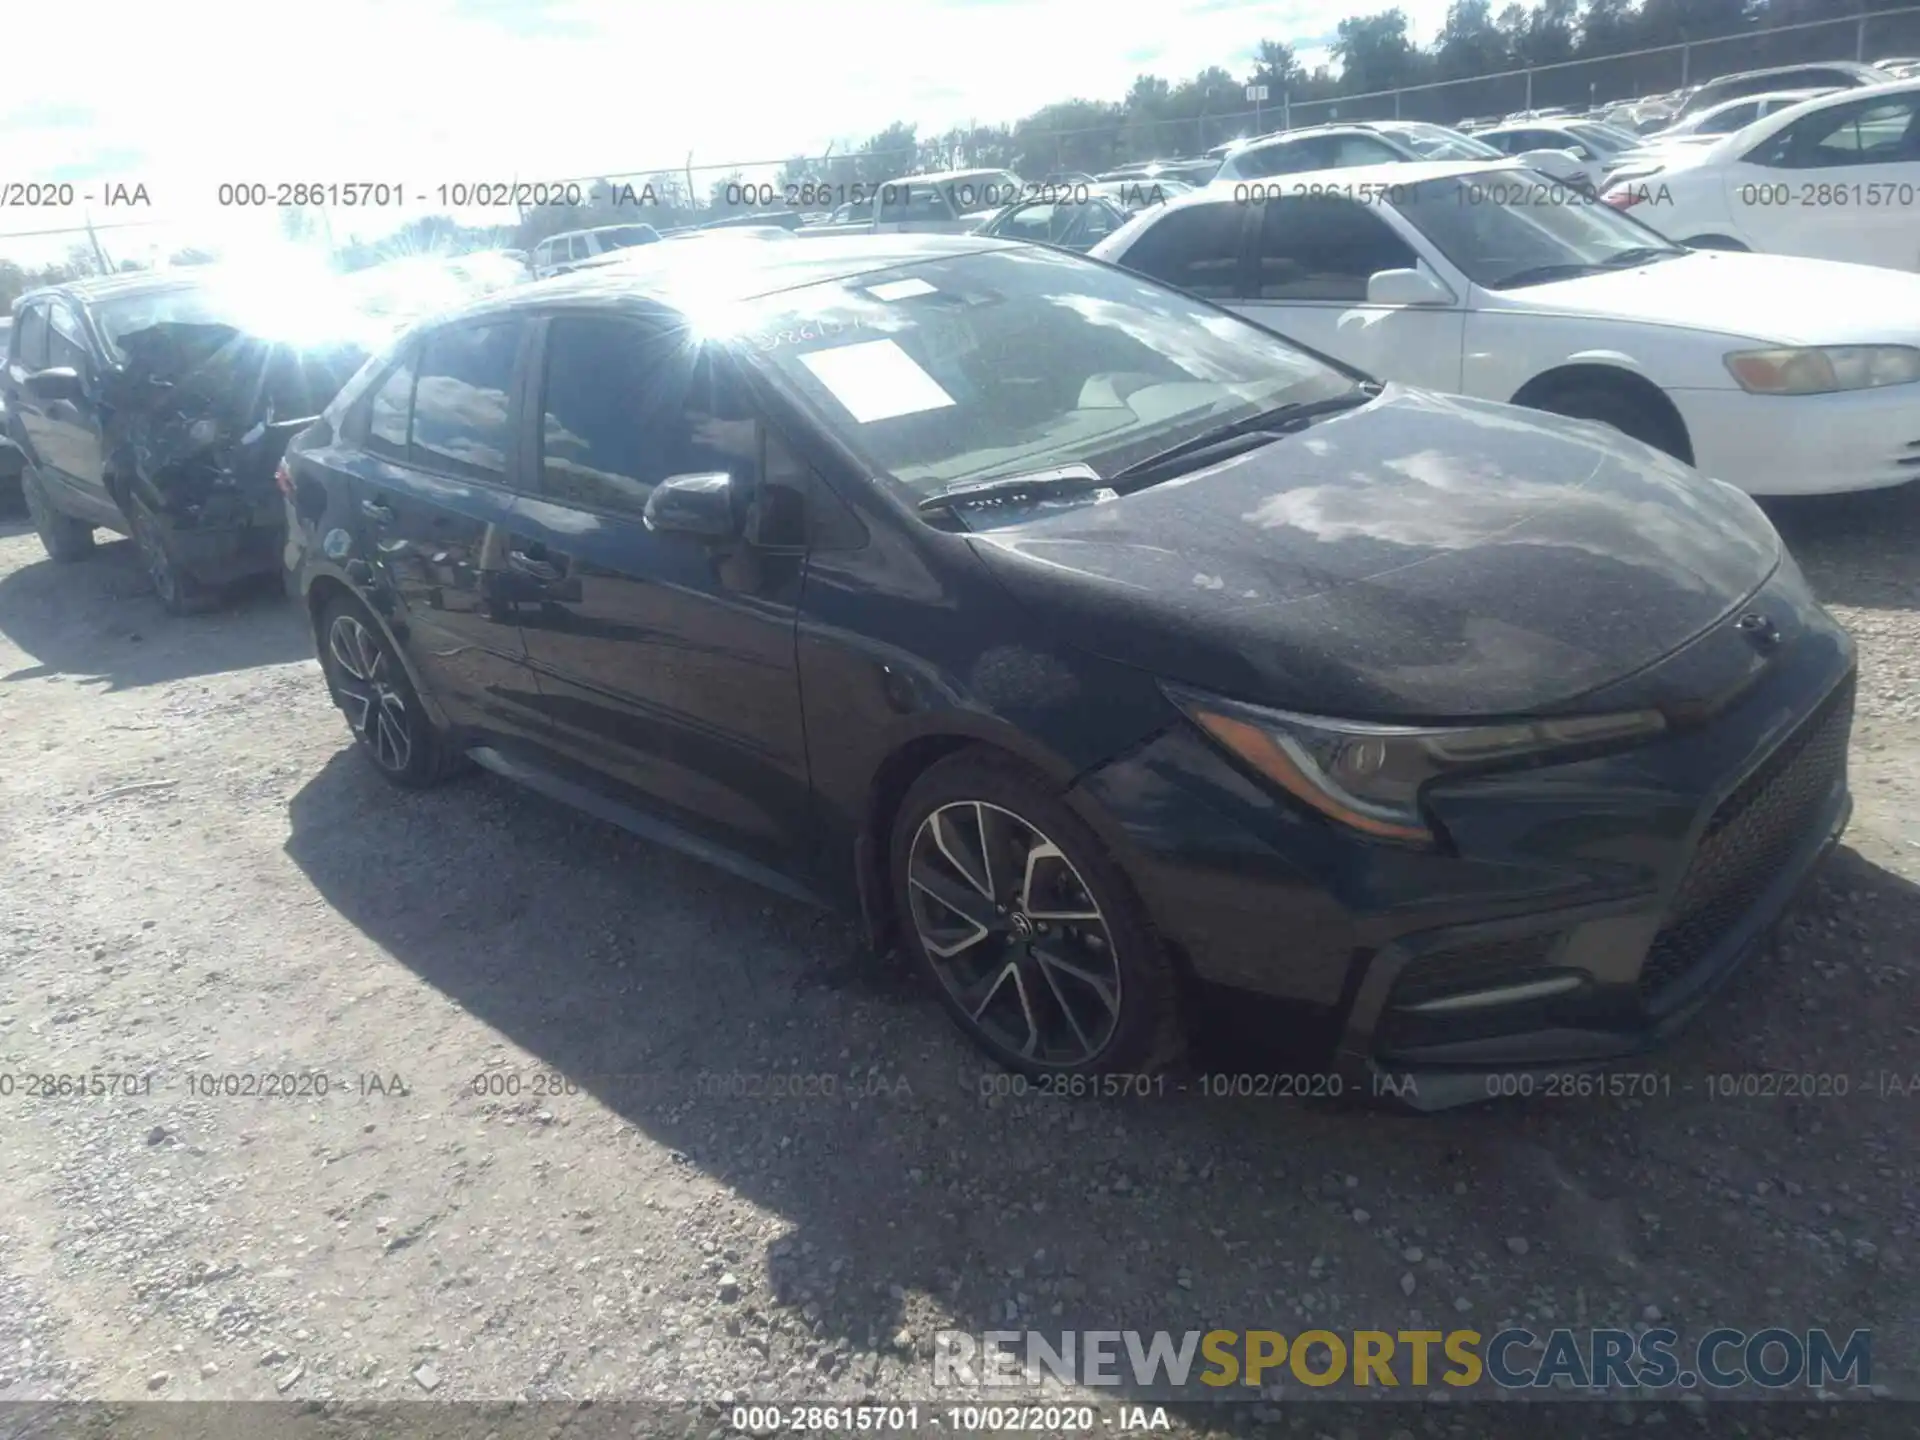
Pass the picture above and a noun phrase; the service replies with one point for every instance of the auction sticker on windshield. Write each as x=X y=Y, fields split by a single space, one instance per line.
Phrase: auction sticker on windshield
x=900 y=289
x=876 y=380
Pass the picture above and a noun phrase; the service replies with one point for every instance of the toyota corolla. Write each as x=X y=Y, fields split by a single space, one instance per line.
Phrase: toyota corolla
x=1100 y=647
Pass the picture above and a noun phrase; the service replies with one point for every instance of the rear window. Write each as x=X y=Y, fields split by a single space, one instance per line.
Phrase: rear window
x=622 y=237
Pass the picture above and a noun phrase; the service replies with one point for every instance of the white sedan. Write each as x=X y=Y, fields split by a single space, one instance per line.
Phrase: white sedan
x=1836 y=178
x=1782 y=376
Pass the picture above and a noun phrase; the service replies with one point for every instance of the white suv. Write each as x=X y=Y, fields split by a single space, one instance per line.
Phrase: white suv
x=558 y=253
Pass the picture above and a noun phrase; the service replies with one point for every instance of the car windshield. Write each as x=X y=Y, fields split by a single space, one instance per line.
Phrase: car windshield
x=1503 y=233
x=188 y=305
x=1436 y=142
x=1000 y=363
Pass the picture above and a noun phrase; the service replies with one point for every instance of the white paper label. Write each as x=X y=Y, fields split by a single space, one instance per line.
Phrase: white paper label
x=876 y=380
x=900 y=289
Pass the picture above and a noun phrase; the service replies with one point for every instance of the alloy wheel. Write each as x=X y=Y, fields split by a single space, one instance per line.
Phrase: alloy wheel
x=1013 y=933
x=363 y=688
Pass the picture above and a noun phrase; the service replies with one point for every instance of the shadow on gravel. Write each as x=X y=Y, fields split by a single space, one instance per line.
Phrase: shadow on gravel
x=667 y=989
x=1856 y=549
x=97 y=619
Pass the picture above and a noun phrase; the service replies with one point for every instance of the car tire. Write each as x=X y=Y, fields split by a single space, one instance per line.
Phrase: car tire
x=370 y=686
x=1044 y=956
x=1629 y=414
x=64 y=538
x=178 y=592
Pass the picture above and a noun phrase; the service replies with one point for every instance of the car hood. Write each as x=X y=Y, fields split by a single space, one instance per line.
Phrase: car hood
x=1812 y=302
x=1422 y=558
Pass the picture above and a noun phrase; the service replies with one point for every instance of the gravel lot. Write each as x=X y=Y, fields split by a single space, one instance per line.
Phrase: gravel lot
x=201 y=878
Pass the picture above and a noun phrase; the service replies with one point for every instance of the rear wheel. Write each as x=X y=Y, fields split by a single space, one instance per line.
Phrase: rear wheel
x=384 y=712
x=1630 y=414
x=1041 y=950
x=178 y=592
x=64 y=538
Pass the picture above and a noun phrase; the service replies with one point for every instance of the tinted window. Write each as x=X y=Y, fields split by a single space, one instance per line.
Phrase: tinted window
x=1323 y=248
x=1197 y=249
x=30 y=339
x=460 y=403
x=624 y=406
x=1028 y=222
x=913 y=202
x=1362 y=150
x=1865 y=132
x=1286 y=159
x=66 y=344
x=388 y=410
x=625 y=236
x=1097 y=221
x=1730 y=119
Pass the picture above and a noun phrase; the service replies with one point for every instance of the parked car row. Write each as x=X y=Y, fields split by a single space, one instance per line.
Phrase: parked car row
x=1836 y=176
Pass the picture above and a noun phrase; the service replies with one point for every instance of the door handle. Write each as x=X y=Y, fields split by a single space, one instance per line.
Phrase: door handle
x=536 y=569
x=376 y=512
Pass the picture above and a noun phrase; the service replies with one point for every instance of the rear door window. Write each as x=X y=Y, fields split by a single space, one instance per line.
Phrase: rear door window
x=461 y=401
x=1196 y=249
x=1322 y=247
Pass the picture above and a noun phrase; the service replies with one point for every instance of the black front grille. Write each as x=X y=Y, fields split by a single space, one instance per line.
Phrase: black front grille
x=1748 y=842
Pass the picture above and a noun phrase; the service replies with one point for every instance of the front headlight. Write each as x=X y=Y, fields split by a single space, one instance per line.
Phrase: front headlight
x=1824 y=369
x=1369 y=777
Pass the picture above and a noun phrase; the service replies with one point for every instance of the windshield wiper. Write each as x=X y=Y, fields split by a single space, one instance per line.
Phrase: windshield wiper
x=1267 y=424
x=1640 y=255
x=1061 y=480
x=1541 y=274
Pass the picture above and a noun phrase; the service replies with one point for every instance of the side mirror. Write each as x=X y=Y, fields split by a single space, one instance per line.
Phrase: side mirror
x=1406 y=287
x=700 y=504
x=62 y=382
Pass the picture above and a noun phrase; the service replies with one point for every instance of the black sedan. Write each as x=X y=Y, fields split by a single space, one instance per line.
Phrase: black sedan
x=1099 y=647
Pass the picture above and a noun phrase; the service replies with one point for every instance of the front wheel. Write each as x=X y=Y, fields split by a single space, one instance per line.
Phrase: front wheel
x=1041 y=950
x=178 y=591
x=371 y=688
x=64 y=538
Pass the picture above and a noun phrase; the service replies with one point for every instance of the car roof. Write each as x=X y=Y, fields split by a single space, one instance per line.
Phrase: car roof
x=941 y=177
x=660 y=273
x=112 y=287
x=1382 y=178
x=1849 y=67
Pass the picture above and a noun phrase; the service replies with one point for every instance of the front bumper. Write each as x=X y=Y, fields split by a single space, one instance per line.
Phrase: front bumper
x=1582 y=913
x=225 y=538
x=1805 y=444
